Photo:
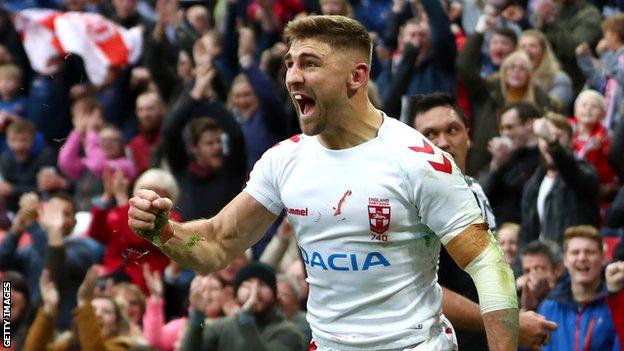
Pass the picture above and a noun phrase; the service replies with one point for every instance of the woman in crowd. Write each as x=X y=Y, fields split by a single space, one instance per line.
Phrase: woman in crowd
x=513 y=84
x=547 y=72
x=99 y=322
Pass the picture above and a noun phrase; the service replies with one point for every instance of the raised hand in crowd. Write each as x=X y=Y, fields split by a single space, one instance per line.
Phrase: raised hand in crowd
x=154 y=282
x=120 y=186
x=545 y=12
x=49 y=294
x=51 y=218
x=166 y=10
x=48 y=180
x=614 y=274
x=513 y=12
x=115 y=186
x=582 y=49
x=246 y=46
x=253 y=296
x=27 y=213
x=534 y=290
x=500 y=148
x=86 y=291
x=488 y=20
x=204 y=75
x=199 y=297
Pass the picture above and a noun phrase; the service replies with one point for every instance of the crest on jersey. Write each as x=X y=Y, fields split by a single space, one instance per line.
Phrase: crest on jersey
x=379 y=215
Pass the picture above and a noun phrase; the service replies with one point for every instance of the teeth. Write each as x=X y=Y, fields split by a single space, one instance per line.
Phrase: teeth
x=298 y=97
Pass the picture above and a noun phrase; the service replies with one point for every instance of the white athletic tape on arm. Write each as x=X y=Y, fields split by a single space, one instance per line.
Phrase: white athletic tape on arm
x=493 y=278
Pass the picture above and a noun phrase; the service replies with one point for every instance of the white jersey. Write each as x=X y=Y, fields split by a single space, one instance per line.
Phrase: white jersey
x=369 y=221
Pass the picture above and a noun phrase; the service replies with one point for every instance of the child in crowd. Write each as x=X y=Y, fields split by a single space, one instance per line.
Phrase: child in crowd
x=12 y=102
x=606 y=75
x=90 y=148
x=591 y=140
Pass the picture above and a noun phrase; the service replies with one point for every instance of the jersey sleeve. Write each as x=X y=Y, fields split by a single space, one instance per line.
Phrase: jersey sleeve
x=263 y=184
x=441 y=195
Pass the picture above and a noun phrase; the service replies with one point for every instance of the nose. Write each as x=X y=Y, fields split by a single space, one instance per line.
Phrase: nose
x=442 y=142
x=293 y=76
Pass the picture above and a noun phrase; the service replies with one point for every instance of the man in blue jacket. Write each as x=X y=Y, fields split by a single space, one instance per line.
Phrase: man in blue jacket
x=578 y=303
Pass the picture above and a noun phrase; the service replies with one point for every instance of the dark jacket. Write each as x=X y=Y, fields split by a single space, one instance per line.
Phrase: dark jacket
x=203 y=193
x=23 y=176
x=504 y=186
x=435 y=73
x=267 y=125
x=72 y=261
x=242 y=332
x=573 y=200
x=580 y=327
x=487 y=101
x=575 y=24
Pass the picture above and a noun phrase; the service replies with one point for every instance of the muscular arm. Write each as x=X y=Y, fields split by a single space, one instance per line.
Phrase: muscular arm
x=204 y=245
x=476 y=251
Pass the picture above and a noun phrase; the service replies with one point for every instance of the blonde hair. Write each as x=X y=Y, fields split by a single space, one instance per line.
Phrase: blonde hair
x=591 y=94
x=528 y=94
x=544 y=74
x=160 y=177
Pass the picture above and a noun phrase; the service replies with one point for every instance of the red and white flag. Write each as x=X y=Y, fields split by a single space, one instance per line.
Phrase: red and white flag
x=102 y=44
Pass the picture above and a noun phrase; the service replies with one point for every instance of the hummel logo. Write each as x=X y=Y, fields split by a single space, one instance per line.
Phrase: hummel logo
x=298 y=211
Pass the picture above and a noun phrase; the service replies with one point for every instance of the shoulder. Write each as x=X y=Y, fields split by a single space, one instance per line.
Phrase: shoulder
x=562 y=77
x=287 y=149
x=413 y=151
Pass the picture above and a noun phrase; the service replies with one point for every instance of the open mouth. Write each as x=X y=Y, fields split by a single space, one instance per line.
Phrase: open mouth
x=582 y=269
x=306 y=104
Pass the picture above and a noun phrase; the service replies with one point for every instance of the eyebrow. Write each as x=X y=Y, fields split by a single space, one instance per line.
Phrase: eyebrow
x=304 y=55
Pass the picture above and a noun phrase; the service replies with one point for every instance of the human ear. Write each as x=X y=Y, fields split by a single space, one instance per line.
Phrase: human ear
x=358 y=78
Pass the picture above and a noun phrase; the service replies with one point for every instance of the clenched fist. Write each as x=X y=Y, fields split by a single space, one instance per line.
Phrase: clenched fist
x=149 y=215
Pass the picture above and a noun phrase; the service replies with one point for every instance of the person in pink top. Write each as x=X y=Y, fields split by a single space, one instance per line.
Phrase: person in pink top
x=91 y=147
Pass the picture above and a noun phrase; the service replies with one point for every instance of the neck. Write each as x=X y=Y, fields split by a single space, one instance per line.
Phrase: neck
x=585 y=292
x=462 y=165
x=355 y=126
x=585 y=129
x=515 y=94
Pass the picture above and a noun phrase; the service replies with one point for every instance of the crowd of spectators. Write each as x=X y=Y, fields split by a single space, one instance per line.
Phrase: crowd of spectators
x=529 y=102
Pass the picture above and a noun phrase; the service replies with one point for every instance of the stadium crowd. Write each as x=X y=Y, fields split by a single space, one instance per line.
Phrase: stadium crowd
x=531 y=107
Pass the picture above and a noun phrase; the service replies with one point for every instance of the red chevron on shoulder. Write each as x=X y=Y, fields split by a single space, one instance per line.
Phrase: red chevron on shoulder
x=444 y=166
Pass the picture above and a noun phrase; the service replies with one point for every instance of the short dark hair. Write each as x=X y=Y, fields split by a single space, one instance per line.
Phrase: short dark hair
x=86 y=104
x=543 y=248
x=422 y=103
x=508 y=33
x=22 y=126
x=61 y=195
x=198 y=126
x=526 y=110
x=337 y=31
